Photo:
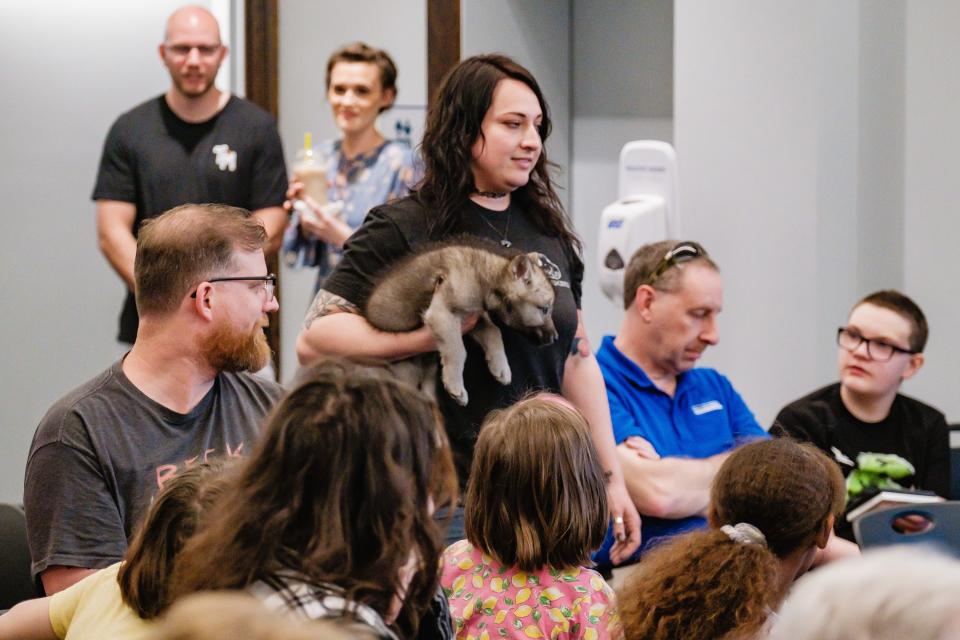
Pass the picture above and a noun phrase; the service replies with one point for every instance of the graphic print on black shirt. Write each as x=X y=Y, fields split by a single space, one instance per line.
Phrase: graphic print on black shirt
x=913 y=430
x=393 y=231
x=156 y=161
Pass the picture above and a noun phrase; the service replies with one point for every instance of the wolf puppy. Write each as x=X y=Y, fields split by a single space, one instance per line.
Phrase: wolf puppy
x=443 y=284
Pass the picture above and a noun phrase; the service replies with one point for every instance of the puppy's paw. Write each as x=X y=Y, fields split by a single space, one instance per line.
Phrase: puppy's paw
x=459 y=395
x=499 y=368
x=454 y=386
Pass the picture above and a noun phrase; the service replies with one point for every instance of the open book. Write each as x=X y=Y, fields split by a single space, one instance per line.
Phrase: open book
x=892 y=498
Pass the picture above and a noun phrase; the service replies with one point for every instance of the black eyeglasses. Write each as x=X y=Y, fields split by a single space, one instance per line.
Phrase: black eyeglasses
x=269 y=283
x=680 y=253
x=850 y=339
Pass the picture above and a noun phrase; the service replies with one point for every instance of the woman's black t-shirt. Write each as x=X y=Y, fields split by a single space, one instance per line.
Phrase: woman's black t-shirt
x=391 y=232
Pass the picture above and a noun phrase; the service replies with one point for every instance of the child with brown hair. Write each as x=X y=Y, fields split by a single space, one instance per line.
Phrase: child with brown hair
x=331 y=516
x=772 y=507
x=535 y=508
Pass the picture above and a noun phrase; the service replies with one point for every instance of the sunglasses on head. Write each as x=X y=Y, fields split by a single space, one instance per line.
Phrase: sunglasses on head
x=680 y=253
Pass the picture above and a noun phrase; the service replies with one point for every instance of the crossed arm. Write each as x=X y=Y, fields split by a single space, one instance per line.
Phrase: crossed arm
x=668 y=487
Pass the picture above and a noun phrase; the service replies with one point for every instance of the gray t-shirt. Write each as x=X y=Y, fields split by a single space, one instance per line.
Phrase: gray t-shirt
x=102 y=452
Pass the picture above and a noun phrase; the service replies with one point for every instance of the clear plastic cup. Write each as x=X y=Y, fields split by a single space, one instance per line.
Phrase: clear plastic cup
x=307 y=169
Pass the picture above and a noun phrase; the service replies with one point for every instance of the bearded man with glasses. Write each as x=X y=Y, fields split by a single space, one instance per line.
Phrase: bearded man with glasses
x=181 y=395
x=880 y=346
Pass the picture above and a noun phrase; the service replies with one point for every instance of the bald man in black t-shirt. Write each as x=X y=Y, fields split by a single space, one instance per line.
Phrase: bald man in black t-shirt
x=193 y=144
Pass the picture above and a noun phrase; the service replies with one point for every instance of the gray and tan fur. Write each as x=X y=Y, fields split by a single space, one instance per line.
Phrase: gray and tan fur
x=443 y=284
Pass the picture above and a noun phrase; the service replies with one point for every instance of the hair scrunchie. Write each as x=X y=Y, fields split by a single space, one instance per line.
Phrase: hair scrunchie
x=744 y=533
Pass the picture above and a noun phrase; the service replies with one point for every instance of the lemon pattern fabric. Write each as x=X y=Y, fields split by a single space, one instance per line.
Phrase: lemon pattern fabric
x=489 y=601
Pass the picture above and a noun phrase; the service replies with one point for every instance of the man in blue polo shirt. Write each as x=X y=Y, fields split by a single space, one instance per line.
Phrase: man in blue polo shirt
x=674 y=424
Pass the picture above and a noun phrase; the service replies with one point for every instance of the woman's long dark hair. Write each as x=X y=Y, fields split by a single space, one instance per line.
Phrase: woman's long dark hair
x=336 y=493
x=144 y=577
x=452 y=127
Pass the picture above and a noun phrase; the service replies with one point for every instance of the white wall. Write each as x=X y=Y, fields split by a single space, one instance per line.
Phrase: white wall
x=310 y=32
x=882 y=134
x=932 y=192
x=623 y=90
x=816 y=142
x=536 y=33
x=69 y=69
x=765 y=131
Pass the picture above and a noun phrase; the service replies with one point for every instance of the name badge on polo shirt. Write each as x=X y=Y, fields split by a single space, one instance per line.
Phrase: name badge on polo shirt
x=706 y=407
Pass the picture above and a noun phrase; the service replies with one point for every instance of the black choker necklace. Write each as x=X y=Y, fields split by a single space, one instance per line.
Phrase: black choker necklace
x=491 y=194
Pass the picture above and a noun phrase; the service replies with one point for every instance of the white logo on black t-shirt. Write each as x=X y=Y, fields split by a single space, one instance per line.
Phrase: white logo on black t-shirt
x=552 y=271
x=226 y=158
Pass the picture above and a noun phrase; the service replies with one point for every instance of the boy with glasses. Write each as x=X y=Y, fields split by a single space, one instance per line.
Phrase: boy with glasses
x=880 y=347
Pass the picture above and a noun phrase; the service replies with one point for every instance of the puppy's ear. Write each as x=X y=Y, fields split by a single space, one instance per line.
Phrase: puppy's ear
x=521 y=266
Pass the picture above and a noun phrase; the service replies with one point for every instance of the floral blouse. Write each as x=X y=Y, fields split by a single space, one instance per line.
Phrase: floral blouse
x=490 y=601
x=360 y=184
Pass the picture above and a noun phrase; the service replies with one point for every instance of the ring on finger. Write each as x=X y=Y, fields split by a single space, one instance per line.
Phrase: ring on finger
x=618 y=520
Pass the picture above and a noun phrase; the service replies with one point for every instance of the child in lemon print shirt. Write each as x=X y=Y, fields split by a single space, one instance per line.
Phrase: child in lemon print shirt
x=535 y=509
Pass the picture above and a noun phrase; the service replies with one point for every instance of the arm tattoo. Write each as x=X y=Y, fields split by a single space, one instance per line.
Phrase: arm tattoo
x=326 y=303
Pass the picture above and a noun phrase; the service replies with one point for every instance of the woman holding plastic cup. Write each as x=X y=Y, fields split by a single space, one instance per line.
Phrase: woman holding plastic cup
x=360 y=170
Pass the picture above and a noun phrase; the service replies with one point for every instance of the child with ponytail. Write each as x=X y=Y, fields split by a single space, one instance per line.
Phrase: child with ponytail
x=772 y=508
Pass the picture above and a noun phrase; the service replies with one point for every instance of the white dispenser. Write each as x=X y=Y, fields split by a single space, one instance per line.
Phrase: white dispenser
x=645 y=211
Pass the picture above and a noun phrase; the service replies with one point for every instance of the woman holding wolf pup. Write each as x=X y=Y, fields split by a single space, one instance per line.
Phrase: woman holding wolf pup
x=486 y=175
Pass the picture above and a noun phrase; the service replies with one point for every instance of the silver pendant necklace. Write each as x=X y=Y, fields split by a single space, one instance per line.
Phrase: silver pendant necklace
x=506 y=229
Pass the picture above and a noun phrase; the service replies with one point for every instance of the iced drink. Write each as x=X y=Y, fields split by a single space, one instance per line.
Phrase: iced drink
x=307 y=169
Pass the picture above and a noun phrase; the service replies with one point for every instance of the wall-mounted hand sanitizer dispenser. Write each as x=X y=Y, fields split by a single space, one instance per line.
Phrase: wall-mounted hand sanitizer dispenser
x=646 y=210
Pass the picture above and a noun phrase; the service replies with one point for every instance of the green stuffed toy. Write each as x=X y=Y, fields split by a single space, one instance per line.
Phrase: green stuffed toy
x=877 y=471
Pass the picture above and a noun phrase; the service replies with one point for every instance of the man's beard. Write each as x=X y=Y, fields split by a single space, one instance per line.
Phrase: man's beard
x=227 y=349
x=191 y=93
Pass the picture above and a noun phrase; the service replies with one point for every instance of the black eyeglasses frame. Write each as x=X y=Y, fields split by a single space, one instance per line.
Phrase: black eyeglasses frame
x=270 y=278
x=895 y=349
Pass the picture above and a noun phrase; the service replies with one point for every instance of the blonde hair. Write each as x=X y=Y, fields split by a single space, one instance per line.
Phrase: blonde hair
x=904 y=591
